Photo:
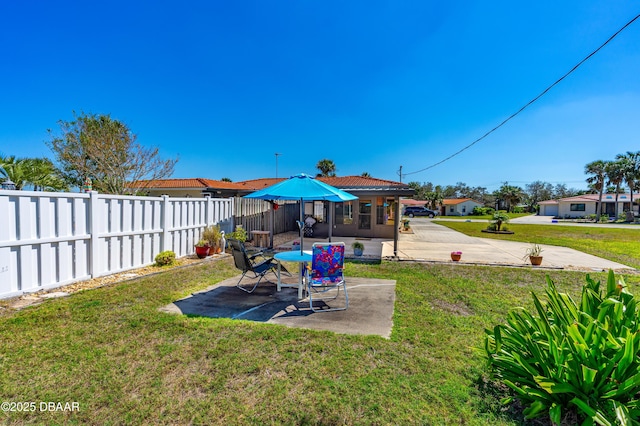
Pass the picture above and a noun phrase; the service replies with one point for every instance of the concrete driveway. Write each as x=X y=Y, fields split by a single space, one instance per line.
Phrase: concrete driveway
x=434 y=243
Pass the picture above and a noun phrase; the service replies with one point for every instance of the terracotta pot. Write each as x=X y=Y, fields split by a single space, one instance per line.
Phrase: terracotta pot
x=456 y=256
x=202 y=251
x=535 y=260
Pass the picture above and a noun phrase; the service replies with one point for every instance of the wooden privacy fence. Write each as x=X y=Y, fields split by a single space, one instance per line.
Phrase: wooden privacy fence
x=50 y=239
x=255 y=215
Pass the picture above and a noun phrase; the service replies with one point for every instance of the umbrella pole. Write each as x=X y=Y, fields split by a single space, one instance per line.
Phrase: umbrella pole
x=301 y=226
x=272 y=224
x=330 y=214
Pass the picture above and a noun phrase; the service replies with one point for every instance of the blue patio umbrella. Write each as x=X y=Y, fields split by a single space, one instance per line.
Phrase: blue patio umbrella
x=303 y=188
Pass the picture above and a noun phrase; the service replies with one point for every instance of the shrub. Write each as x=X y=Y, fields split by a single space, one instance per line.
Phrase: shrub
x=498 y=219
x=482 y=211
x=165 y=258
x=573 y=357
x=239 y=234
x=212 y=234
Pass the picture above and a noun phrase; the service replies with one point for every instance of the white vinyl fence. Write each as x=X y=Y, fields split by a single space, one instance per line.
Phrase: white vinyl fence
x=50 y=239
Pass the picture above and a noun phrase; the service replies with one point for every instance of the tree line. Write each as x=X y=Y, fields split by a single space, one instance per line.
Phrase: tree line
x=95 y=148
x=507 y=197
x=613 y=175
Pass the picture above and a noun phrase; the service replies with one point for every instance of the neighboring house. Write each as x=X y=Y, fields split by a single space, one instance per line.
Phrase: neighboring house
x=194 y=187
x=583 y=205
x=459 y=206
x=411 y=202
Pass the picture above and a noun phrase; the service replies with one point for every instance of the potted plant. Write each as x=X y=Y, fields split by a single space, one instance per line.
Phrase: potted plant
x=212 y=234
x=405 y=224
x=202 y=249
x=456 y=255
x=358 y=248
x=533 y=254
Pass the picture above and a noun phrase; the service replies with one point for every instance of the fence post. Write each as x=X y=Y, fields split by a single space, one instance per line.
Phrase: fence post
x=94 y=229
x=165 y=223
x=208 y=217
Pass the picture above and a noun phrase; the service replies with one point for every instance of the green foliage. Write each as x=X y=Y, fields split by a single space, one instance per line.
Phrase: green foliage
x=482 y=211
x=534 y=250
x=202 y=243
x=239 y=234
x=106 y=150
x=497 y=220
x=38 y=174
x=165 y=258
x=212 y=234
x=357 y=245
x=583 y=357
x=326 y=167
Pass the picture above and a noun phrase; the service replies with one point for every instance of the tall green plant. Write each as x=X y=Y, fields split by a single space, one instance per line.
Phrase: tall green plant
x=583 y=357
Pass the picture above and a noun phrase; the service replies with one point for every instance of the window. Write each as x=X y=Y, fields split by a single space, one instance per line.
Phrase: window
x=344 y=213
x=577 y=207
x=382 y=211
x=364 y=214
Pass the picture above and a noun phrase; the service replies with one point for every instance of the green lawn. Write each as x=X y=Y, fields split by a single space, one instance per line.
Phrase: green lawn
x=124 y=362
x=483 y=217
x=618 y=244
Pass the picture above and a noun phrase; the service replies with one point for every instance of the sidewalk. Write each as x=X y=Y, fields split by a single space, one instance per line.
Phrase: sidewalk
x=434 y=243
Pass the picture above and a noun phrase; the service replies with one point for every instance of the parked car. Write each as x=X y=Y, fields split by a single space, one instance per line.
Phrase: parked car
x=412 y=211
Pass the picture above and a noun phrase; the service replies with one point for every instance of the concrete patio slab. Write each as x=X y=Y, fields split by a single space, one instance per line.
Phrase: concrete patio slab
x=370 y=312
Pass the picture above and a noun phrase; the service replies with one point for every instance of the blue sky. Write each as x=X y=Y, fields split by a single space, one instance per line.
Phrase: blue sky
x=371 y=85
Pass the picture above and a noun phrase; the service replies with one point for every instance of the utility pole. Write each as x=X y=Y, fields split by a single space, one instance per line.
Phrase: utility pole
x=400 y=173
x=277 y=154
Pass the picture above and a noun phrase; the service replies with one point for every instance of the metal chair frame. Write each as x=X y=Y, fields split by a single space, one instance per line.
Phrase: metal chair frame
x=248 y=264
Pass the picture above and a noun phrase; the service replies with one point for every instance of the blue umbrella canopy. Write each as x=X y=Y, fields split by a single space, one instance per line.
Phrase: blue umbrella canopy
x=302 y=187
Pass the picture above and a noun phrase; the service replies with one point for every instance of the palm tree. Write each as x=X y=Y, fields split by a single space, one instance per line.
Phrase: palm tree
x=12 y=168
x=631 y=171
x=37 y=172
x=435 y=198
x=597 y=171
x=615 y=176
x=366 y=174
x=327 y=168
x=43 y=175
x=509 y=194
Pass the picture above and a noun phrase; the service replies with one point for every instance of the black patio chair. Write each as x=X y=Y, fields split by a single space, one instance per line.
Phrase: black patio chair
x=257 y=264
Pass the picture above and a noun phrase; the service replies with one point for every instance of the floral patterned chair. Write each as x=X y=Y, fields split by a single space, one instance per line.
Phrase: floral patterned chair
x=325 y=276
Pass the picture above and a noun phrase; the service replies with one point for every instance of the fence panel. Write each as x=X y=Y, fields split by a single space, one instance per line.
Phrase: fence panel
x=255 y=215
x=51 y=239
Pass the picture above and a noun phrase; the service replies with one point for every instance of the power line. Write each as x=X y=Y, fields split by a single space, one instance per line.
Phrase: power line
x=528 y=103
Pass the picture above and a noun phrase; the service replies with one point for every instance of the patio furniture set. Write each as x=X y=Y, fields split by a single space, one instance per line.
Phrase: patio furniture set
x=320 y=271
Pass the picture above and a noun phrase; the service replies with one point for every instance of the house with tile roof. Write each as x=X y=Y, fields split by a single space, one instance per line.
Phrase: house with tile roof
x=587 y=204
x=192 y=187
x=459 y=206
x=371 y=216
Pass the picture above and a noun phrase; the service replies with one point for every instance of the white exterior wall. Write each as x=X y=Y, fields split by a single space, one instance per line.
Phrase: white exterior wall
x=458 y=208
x=590 y=208
x=564 y=209
x=49 y=239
